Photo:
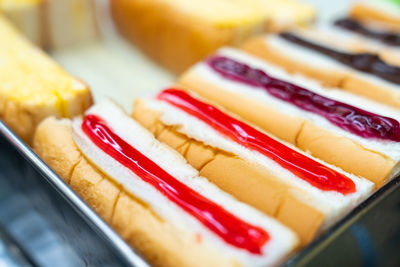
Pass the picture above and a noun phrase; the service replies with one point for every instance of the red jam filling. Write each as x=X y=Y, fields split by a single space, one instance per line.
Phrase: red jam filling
x=300 y=165
x=230 y=228
x=347 y=117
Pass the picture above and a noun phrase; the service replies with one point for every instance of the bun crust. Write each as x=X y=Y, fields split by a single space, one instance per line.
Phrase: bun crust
x=329 y=78
x=321 y=143
x=368 y=14
x=231 y=173
x=160 y=242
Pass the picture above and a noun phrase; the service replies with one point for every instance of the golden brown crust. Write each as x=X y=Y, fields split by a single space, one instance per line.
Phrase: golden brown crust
x=259 y=48
x=321 y=143
x=161 y=243
x=173 y=39
x=368 y=14
x=345 y=153
x=263 y=190
x=329 y=78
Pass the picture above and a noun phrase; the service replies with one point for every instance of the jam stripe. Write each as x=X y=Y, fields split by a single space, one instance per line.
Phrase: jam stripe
x=230 y=228
x=349 y=118
x=304 y=167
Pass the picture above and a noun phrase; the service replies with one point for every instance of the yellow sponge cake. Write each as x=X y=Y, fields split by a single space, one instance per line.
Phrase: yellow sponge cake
x=33 y=87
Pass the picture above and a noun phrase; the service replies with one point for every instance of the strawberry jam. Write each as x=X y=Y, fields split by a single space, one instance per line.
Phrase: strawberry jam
x=300 y=165
x=349 y=118
x=230 y=228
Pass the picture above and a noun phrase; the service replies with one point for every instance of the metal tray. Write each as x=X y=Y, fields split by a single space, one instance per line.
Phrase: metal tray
x=47 y=219
x=368 y=236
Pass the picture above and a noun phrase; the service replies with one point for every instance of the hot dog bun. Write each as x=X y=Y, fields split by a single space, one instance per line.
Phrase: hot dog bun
x=141 y=212
x=298 y=60
x=385 y=12
x=253 y=178
x=263 y=191
x=177 y=34
x=153 y=237
x=351 y=153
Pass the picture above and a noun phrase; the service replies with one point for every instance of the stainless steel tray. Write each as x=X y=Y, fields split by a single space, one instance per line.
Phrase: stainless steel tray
x=55 y=212
x=368 y=236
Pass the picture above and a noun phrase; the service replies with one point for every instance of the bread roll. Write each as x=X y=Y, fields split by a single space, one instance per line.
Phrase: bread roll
x=382 y=11
x=177 y=34
x=252 y=178
x=300 y=60
x=159 y=229
x=374 y=160
x=153 y=237
x=263 y=191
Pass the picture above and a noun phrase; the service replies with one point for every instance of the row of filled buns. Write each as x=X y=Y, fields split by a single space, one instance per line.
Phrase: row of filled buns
x=302 y=152
x=242 y=162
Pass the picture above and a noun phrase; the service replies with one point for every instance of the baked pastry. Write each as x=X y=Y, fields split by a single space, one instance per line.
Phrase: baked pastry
x=381 y=11
x=333 y=62
x=33 y=86
x=305 y=194
x=353 y=133
x=372 y=32
x=177 y=34
x=156 y=201
x=53 y=24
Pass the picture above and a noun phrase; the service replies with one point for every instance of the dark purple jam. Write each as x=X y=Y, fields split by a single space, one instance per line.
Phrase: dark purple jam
x=365 y=62
x=389 y=38
x=347 y=117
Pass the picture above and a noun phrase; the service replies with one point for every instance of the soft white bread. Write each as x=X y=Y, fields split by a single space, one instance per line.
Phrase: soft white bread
x=300 y=60
x=261 y=188
x=203 y=247
x=177 y=34
x=153 y=237
x=373 y=159
x=33 y=86
x=382 y=11
x=332 y=204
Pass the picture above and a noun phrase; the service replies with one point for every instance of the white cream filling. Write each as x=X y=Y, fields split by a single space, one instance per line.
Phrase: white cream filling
x=282 y=240
x=332 y=204
x=388 y=148
x=349 y=37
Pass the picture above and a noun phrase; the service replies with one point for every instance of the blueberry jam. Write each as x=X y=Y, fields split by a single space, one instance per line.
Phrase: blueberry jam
x=347 y=117
x=389 y=38
x=365 y=62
